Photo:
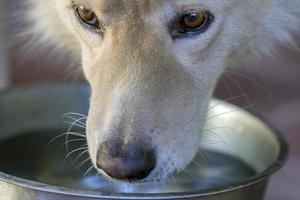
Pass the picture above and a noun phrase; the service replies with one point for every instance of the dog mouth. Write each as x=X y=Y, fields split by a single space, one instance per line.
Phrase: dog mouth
x=129 y=180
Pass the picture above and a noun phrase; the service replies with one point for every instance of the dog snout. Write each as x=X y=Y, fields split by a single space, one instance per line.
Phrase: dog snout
x=126 y=161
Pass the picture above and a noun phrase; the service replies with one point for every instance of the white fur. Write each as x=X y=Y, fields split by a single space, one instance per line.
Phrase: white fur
x=157 y=87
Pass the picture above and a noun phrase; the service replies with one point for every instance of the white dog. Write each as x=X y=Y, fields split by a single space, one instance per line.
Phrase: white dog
x=153 y=65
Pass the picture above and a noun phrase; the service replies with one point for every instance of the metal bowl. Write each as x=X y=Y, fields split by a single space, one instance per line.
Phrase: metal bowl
x=238 y=153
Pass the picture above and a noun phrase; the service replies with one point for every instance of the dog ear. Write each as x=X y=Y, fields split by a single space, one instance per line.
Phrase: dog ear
x=44 y=24
x=280 y=26
x=38 y=31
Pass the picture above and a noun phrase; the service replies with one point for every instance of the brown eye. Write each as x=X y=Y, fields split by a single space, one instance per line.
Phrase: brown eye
x=87 y=16
x=195 y=21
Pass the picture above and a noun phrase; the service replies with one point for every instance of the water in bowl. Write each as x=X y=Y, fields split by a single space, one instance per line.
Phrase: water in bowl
x=30 y=156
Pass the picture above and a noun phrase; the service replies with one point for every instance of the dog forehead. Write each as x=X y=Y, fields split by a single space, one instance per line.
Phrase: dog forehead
x=127 y=6
x=138 y=7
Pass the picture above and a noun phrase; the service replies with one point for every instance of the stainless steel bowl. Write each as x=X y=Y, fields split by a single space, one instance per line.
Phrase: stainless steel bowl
x=238 y=153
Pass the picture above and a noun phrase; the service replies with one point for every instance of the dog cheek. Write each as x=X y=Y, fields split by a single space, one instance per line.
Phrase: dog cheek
x=176 y=149
x=87 y=68
x=178 y=143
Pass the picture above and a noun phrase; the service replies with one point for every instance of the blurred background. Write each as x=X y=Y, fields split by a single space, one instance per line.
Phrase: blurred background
x=269 y=87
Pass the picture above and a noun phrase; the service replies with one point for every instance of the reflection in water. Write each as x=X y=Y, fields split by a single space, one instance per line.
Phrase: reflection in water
x=27 y=157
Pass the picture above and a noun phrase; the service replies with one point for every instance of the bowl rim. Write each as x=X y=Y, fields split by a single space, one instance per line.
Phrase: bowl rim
x=259 y=178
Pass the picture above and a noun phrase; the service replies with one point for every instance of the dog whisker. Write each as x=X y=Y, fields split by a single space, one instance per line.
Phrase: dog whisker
x=227 y=112
x=227 y=87
x=219 y=128
x=226 y=100
x=81 y=154
x=74 y=151
x=240 y=88
x=257 y=83
x=219 y=139
x=74 y=140
x=211 y=133
x=83 y=162
x=69 y=130
x=77 y=121
x=76 y=114
x=96 y=173
x=185 y=171
x=63 y=134
x=74 y=124
x=69 y=115
x=89 y=171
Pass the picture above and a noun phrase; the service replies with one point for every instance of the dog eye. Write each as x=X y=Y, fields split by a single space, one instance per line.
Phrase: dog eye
x=87 y=16
x=195 y=21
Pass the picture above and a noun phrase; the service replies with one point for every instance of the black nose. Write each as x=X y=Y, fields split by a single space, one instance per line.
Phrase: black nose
x=132 y=161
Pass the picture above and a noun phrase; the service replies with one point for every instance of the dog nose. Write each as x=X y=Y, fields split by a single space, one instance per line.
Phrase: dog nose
x=126 y=161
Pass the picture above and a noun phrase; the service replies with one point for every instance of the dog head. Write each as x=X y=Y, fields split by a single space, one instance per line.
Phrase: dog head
x=152 y=67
